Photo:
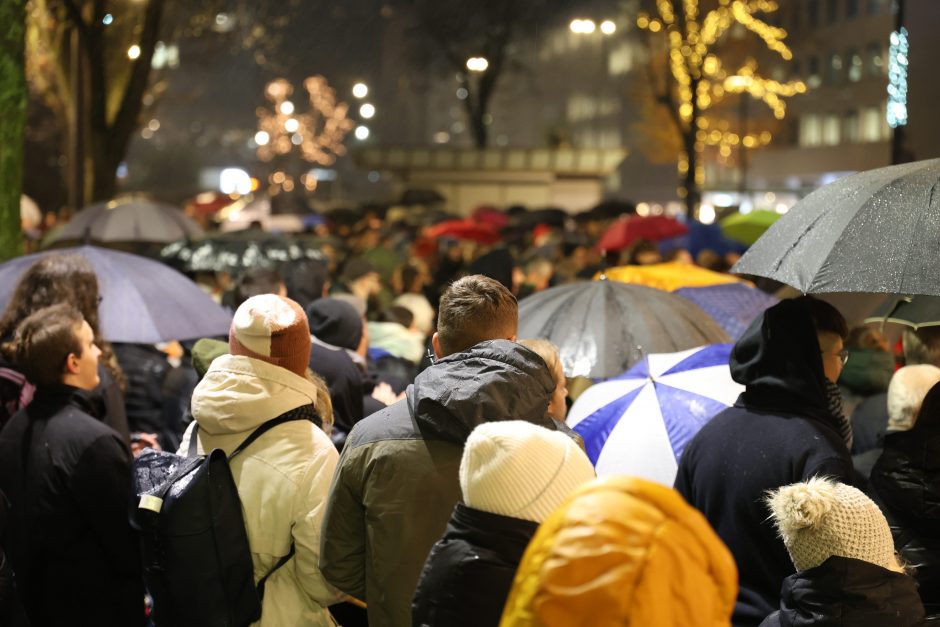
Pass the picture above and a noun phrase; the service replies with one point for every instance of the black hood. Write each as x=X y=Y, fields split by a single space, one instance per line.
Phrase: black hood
x=778 y=361
x=843 y=591
x=494 y=380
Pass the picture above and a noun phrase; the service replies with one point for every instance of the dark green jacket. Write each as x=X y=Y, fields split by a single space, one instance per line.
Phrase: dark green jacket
x=397 y=481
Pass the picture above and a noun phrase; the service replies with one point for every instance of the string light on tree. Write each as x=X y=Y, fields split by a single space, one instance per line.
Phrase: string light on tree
x=897 y=78
x=317 y=134
x=698 y=81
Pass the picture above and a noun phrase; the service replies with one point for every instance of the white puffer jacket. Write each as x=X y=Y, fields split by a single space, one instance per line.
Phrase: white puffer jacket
x=283 y=479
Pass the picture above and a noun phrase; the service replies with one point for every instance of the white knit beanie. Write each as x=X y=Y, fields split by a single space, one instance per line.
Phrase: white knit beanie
x=518 y=469
x=906 y=393
x=821 y=518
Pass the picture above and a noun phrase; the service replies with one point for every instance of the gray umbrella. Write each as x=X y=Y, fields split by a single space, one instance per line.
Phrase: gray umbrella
x=876 y=232
x=130 y=219
x=603 y=327
x=914 y=312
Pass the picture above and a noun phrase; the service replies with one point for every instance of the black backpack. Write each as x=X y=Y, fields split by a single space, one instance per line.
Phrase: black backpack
x=196 y=558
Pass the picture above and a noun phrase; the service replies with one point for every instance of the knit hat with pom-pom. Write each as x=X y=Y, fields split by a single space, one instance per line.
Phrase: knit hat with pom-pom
x=821 y=518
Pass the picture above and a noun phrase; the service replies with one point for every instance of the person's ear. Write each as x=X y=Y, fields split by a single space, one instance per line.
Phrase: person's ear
x=436 y=344
x=512 y=338
x=71 y=364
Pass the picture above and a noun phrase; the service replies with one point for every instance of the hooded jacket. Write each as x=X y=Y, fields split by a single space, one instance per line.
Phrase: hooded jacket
x=623 y=551
x=282 y=479
x=67 y=476
x=469 y=572
x=905 y=482
x=779 y=432
x=843 y=591
x=397 y=481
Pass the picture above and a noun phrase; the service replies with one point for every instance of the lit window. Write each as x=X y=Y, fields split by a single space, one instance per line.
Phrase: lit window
x=850 y=127
x=876 y=61
x=813 y=79
x=856 y=67
x=810 y=131
x=872 y=125
x=834 y=75
x=831 y=130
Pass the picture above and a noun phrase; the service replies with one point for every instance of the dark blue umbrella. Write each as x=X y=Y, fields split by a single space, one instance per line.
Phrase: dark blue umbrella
x=733 y=305
x=143 y=301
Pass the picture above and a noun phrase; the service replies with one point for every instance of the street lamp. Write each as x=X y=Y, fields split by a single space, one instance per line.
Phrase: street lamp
x=582 y=26
x=366 y=111
x=360 y=90
x=477 y=64
x=608 y=27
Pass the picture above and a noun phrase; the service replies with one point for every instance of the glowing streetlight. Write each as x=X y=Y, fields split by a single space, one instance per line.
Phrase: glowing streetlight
x=133 y=52
x=608 y=27
x=360 y=90
x=366 y=111
x=291 y=125
x=362 y=133
x=287 y=107
x=477 y=64
x=262 y=138
x=582 y=27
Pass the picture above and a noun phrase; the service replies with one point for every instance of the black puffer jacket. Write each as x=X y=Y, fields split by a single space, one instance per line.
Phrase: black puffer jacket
x=906 y=484
x=845 y=592
x=469 y=572
x=779 y=432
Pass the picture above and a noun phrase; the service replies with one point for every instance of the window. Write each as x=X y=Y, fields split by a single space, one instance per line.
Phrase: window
x=856 y=68
x=796 y=69
x=810 y=130
x=812 y=13
x=834 y=69
x=872 y=125
x=850 y=127
x=831 y=129
x=814 y=79
x=832 y=11
x=851 y=9
x=795 y=16
x=875 y=60
x=874 y=7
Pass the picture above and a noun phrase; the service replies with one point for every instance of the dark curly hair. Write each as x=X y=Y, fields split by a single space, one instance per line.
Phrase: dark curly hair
x=58 y=278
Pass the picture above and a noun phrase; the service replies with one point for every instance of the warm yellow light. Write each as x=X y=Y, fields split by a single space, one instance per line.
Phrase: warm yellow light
x=133 y=52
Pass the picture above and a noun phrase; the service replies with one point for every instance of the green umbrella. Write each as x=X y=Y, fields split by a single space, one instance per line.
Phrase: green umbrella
x=748 y=227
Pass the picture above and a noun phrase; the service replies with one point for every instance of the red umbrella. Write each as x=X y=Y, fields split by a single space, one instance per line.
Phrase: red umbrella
x=464 y=229
x=623 y=233
x=485 y=214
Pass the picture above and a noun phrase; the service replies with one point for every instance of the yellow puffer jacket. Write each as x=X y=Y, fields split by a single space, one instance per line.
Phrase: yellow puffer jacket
x=624 y=551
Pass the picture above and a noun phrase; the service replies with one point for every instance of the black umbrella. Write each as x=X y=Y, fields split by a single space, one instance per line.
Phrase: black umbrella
x=142 y=301
x=551 y=216
x=129 y=219
x=911 y=311
x=237 y=251
x=604 y=327
x=875 y=232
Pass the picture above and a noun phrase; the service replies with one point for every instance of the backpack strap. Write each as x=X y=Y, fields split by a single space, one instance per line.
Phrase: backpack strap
x=280 y=562
x=305 y=412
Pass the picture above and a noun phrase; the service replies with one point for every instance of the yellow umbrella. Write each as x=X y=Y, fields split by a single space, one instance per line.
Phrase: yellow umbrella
x=668 y=276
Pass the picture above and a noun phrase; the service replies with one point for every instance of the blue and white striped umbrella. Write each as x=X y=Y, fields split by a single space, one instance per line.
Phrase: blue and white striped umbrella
x=639 y=422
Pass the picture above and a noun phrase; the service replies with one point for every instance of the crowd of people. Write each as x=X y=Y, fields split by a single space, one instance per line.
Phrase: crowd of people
x=401 y=456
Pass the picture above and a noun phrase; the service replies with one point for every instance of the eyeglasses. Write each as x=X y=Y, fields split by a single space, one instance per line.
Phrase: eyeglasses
x=843 y=355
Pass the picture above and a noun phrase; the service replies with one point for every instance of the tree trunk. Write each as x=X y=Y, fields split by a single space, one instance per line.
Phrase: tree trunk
x=689 y=183
x=12 y=123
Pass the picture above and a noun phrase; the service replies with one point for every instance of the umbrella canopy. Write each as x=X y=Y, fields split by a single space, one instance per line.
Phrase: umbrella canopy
x=669 y=276
x=874 y=232
x=911 y=311
x=603 y=327
x=143 y=301
x=748 y=227
x=733 y=306
x=639 y=423
x=237 y=251
x=552 y=216
x=131 y=219
x=624 y=232
x=464 y=229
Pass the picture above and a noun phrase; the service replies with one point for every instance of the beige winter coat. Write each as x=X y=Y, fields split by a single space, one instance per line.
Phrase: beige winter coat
x=283 y=479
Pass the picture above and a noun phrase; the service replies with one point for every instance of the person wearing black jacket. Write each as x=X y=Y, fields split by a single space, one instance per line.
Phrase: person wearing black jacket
x=68 y=479
x=905 y=482
x=780 y=431
x=513 y=474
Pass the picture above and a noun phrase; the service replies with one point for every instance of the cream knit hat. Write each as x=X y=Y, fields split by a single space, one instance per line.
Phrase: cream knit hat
x=518 y=469
x=274 y=329
x=821 y=518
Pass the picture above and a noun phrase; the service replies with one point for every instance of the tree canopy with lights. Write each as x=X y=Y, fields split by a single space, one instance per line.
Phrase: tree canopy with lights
x=698 y=79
